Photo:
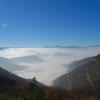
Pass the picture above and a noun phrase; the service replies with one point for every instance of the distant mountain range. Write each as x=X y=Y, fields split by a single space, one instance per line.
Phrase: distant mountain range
x=13 y=64
x=56 y=46
x=9 y=65
x=59 y=46
x=95 y=46
x=3 y=48
x=83 y=74
x=27 y=59
x=71 y=46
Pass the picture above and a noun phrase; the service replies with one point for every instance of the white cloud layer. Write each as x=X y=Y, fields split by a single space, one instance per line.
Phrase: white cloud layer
x=53 y=64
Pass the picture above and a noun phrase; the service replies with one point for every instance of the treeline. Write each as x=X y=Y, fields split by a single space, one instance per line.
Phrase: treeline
x=35 y=92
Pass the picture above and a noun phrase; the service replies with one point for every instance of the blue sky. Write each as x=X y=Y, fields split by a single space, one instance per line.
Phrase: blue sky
x=36 y=23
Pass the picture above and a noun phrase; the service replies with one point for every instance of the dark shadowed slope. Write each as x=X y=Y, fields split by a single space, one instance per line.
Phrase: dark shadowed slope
x=8 y=79
x=13 y=87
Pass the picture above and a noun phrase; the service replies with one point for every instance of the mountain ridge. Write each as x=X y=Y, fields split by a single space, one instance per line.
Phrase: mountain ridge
x=27 y=59
x=82 y=76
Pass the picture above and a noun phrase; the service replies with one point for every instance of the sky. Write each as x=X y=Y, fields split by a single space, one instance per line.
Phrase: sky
x=36 y=23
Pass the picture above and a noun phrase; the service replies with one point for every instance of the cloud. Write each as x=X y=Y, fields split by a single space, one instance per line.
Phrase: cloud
x=4 y=25
x=53 y=61
x=63 y=54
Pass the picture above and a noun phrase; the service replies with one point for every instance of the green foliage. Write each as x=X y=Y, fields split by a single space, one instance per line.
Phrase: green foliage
x=98 y=90
x=35 y=92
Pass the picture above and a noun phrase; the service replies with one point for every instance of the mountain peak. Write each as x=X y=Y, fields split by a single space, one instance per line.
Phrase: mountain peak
x=98 y=57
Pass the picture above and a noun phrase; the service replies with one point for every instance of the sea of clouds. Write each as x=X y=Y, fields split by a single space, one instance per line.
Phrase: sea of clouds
x=53 y=61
